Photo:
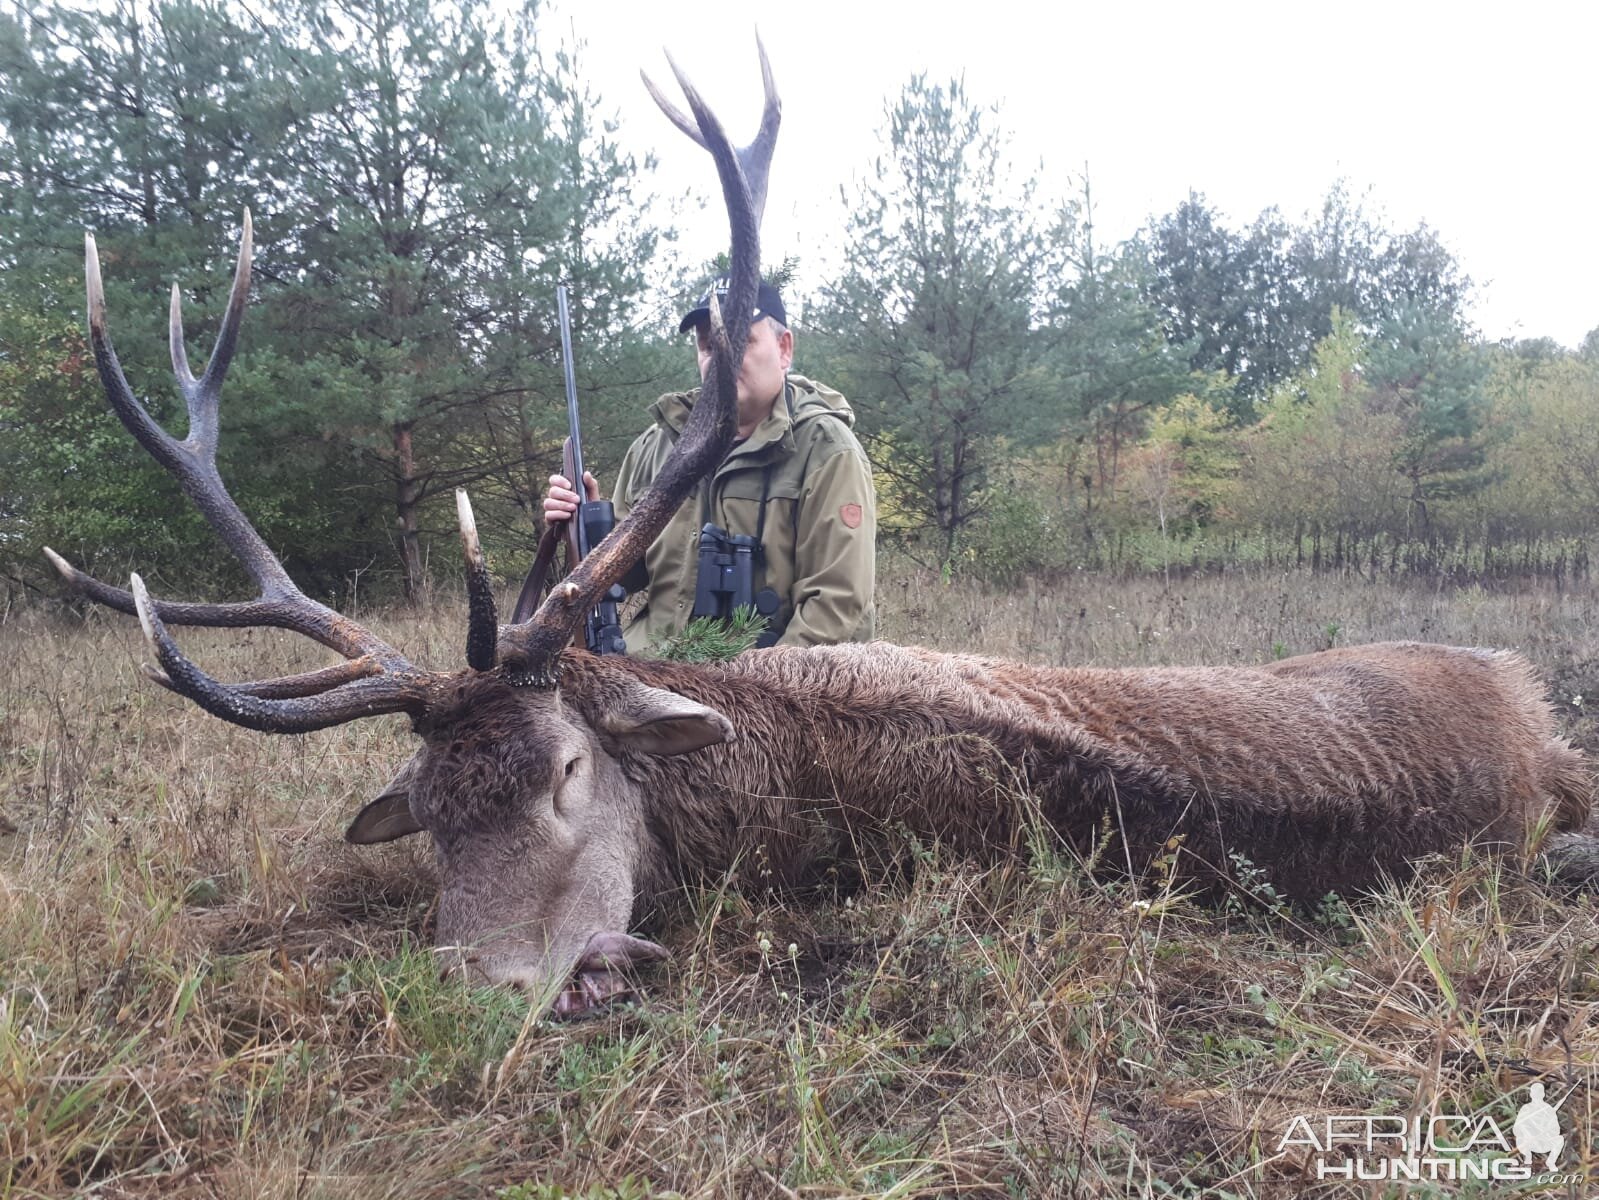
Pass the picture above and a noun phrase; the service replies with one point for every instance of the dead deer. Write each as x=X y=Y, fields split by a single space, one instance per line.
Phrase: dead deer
x=562 y=791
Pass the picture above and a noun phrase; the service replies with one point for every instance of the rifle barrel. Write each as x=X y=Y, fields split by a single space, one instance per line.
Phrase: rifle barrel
x=571 y=389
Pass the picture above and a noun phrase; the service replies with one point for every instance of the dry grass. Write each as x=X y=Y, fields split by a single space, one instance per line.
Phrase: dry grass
x=204 y=992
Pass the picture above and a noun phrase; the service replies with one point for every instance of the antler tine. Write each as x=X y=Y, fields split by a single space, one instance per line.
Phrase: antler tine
x=744 y=217
x=530 y=650
x=216 y=368
x=673 y=113
x=755 y=158
x=333 y=631
x=180 y=353
x=363 y=697
x=482 y=626
x=309 y=683
x=201 y=396
x=162 y=447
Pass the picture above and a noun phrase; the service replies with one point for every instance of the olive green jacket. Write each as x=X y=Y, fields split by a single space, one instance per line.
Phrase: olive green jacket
x=820 y=536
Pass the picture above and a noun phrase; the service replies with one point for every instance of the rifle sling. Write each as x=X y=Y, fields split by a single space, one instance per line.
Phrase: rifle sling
x=533 y=587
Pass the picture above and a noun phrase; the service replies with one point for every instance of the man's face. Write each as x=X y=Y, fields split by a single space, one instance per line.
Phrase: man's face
x=766 y=360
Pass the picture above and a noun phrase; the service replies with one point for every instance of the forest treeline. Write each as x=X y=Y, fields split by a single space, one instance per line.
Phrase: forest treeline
x=1295 y=390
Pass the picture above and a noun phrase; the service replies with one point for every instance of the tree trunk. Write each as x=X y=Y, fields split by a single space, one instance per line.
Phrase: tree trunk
x=1420 y=518
x=149 y=206
x=407 y=500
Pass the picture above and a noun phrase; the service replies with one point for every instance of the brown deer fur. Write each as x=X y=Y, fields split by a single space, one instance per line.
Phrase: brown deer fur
x=1327 y=771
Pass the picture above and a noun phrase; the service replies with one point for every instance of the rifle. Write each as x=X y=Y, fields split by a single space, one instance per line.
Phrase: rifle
x=602 y=630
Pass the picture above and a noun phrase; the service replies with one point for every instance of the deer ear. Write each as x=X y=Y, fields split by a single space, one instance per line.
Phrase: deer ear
x=649 y=720
x=383 y=820
x=388 y=816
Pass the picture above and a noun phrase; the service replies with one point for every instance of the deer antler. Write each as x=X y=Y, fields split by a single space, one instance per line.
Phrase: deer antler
x=755 y=159
x=376 y=679
x=482 y=629
x=530 y=651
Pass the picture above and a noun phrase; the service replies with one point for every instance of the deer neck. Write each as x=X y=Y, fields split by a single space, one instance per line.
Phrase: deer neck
x=831 y=760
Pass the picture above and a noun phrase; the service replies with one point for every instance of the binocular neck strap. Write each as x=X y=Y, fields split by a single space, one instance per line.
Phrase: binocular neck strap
x=760 y=519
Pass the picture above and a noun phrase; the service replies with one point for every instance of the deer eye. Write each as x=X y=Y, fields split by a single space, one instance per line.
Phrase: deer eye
x=571 y=766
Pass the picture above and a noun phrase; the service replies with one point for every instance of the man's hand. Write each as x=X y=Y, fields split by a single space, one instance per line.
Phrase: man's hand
x=560 y=502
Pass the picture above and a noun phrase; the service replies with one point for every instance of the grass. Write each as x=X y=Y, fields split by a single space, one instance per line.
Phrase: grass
x=204 y=992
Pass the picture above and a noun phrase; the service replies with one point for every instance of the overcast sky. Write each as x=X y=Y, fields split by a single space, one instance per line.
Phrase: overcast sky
x=1479 y=121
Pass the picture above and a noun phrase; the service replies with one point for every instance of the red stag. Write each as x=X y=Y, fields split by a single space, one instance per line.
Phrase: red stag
x=563 y=792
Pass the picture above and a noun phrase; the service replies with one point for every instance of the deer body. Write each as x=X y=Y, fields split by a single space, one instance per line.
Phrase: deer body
x=1326 y=771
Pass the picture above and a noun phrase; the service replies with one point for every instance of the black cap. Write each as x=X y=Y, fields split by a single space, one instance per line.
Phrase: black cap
x=768 y=303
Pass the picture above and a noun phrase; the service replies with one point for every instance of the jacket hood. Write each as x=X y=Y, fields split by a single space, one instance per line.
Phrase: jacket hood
x=812 y=401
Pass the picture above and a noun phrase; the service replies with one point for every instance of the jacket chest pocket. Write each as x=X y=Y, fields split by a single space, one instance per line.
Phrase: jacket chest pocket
x=738 y=501
x=738 y=510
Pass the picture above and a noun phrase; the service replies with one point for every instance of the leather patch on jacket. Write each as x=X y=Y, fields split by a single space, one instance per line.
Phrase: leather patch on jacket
x=850 y=514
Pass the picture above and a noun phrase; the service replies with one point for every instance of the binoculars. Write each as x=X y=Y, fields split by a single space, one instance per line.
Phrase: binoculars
x=726 y=580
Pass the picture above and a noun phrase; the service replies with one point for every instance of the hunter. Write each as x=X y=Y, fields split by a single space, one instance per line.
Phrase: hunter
x=796 y=480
